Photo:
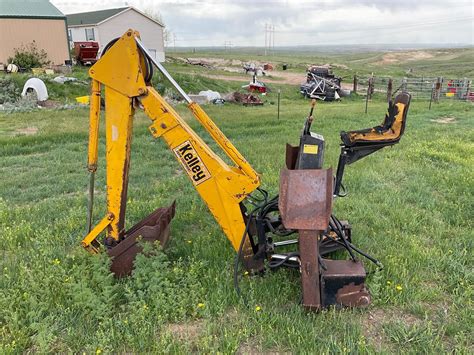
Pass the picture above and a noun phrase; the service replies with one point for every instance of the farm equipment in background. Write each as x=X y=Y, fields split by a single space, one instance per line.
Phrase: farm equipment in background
x=86 y=52
x=256 y=225
x=321 y=84
x=256 y=86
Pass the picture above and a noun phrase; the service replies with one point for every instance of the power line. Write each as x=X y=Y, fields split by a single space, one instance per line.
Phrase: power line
x=227 y=45
x=269 y=37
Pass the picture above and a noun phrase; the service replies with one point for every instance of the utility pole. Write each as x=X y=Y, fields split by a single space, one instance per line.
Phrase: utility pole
x=227 y=45
x=273 y=38
x=269 y=38
x=266 y=33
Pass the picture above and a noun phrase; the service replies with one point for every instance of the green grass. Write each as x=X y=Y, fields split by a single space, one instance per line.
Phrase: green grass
x=410 y=206
x=449 y=63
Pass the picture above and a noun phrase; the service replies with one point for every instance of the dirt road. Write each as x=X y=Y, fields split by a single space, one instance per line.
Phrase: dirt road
x=277 y=77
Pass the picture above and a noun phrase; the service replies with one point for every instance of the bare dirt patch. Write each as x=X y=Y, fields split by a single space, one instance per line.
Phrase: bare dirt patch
x=372 y=325
x=445 y=120
x=28 y=131
x=188 y=332
x=280 y=77
x=250 y=348
x=401 y=57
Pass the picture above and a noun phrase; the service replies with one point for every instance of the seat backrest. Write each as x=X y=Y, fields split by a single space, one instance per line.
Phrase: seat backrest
x=403 y=98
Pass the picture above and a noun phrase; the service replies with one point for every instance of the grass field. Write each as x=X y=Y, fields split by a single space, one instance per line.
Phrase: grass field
x=411 y=206
x=449 y=63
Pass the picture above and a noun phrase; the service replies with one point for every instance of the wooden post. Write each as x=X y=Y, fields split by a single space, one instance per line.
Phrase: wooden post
x=438 y=90
x=371 y=85
x=367 y=98
x=465 y=86
x=369 y=92
x=432 y=94
x=354 y=88
x=389 y=89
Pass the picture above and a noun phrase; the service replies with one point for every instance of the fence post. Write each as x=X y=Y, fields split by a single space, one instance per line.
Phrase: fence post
x=354 y=88
x=438 y=89
x=369 y=92
x=432 y=94
x=372 y=85
x=279 y=92
x=465 y=86
x=389 y=89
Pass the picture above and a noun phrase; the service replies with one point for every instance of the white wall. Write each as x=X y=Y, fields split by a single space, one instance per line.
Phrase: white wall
x=150 y=32
x=79 y=33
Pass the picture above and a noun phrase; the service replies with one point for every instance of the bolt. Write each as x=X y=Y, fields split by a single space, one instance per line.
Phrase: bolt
x=153 y=130
x=163 y=126
x=141 y=91
x=110 y=216
x=129 y=34
x=364 y=301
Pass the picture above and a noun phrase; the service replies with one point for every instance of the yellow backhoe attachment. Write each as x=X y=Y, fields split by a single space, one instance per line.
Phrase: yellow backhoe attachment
x=124 y=73
x=303 y=207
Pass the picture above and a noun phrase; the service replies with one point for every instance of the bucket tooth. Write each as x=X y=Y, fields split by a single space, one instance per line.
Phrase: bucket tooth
x=154 y=227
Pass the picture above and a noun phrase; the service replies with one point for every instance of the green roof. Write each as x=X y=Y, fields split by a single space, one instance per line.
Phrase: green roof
x=93 y=17
x=29 y=9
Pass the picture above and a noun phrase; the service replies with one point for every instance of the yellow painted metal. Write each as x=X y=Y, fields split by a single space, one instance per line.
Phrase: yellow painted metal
x=121 y=67
x=94 y=116
x=118 y=133
x=225 y=144
x=89 y=242
x=222 y=187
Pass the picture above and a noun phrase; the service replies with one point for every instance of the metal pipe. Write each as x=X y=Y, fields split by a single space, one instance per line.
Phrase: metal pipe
x=90 y=205
x=279 y=257
x=92 y=156
x=162 y=69
x=279 y=91
x=285 y=242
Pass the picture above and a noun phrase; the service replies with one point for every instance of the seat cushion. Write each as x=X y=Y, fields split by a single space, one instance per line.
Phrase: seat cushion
x=388 y=132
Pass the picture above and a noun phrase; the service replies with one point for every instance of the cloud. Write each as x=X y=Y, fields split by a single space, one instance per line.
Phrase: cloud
x=299 y=22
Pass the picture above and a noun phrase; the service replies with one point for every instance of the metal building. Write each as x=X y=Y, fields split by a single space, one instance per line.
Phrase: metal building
x=25 y=21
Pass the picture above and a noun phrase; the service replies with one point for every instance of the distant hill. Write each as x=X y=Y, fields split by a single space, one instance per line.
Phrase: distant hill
x=354 y=48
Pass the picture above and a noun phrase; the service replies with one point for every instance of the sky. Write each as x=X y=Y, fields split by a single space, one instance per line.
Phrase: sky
x=302 y=22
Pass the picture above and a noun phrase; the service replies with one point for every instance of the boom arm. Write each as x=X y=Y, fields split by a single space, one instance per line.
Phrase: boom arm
x=123 y=70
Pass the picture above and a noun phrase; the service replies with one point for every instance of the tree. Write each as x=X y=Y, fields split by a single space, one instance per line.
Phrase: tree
x=155 y=14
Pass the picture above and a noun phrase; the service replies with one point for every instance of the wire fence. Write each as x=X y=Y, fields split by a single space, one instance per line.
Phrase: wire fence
x=435 y=88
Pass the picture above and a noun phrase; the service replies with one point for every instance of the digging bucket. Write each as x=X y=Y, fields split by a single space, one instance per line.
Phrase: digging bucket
x=154 y=227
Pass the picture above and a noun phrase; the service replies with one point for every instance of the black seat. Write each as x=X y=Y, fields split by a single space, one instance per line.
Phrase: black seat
x=359 y=144
x=389 y=132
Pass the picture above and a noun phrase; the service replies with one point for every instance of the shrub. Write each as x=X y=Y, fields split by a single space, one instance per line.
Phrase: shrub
x=9 y=92
x=29 y=56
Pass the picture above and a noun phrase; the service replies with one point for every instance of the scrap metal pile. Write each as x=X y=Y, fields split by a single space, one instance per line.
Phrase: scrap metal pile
x=244 y=99
x=321 y=84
